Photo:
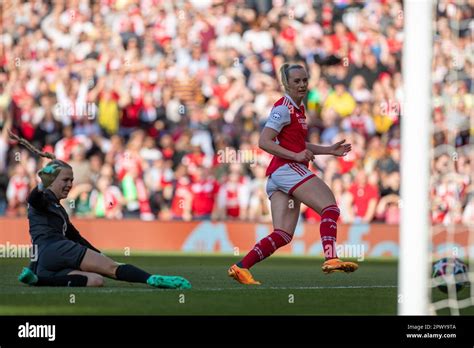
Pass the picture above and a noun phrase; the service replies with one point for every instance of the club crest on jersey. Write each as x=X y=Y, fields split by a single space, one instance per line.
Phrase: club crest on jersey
x=276 y=115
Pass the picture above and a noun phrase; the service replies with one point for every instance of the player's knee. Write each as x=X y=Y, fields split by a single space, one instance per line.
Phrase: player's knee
x=95 y=280
x=108 y=267
x=113 y=269
x=331 y=210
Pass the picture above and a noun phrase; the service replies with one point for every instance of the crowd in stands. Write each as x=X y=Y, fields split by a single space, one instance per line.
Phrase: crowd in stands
x=158 y=105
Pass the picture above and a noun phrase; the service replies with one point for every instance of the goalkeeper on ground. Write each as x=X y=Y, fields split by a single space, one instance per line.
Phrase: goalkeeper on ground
x=65 y=258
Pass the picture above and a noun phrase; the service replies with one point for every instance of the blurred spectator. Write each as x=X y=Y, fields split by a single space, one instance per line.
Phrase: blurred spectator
x=194 y=161
x=233 y=195
x=149 y=153
x=3 y=193
x=343 y=199
x=388 y=208
x=109 y=112
x=106 y=200
x=17 y=191
x=95 y=164
x=359 y=121
x=186 y=89
x=81 y=167
x=64 y=147
x=5 y=124
x=259 y=204
x=159 y=180
x=204 y=189
x=49 y=130
x=79 y=203
x=468 y=215
x=182 y=197
x=340 y=101
x=364 y=198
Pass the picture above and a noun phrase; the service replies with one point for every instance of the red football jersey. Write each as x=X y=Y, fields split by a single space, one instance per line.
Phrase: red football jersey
x=290 y=121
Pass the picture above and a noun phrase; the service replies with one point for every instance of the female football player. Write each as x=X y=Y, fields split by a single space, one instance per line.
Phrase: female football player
x=290 y=182
x=65 y=258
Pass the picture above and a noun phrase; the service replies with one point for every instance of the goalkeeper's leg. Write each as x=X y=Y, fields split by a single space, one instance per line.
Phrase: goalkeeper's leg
x=73 y=279
x=99 y=263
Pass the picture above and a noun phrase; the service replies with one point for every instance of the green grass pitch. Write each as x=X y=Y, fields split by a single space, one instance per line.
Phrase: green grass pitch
x=290 y=286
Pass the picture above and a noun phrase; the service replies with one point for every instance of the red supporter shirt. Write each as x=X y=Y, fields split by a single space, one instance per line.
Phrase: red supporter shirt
x=64 y=147
x=232 y=200
x=182 y=190
x=347 y=162
x=131 y=113
x=126 y=162
x=290 y=121
x=437 y=217
x=338 y=40
x=204 y=196
x=288 y=34
x=231 y=195
x=193 y=161
x=394 y=45
x=112 y=95
x=311 y=216
x=18 y=188
x=362 y=196
x=168 y=153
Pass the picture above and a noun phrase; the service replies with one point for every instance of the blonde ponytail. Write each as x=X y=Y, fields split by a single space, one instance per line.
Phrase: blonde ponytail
x=283 y=74
x=49 y=173
x=285 y=71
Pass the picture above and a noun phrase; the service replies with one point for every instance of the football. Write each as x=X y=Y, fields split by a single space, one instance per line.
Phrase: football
x=444 y=270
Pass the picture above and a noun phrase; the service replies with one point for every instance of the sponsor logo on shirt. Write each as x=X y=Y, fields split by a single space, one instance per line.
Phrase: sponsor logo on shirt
x=302 y=121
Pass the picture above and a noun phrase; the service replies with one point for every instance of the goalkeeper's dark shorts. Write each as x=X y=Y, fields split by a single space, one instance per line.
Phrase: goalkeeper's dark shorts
x=59 y=258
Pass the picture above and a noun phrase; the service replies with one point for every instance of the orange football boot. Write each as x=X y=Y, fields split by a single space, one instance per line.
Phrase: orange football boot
x=336 y=265
x=242 y=275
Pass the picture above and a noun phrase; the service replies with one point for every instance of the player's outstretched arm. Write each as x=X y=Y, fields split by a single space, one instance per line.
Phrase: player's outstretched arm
x=336 y=149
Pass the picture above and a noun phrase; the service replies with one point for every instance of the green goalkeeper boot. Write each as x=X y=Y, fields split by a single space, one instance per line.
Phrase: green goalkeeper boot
x=168 y=282
x=28 y=277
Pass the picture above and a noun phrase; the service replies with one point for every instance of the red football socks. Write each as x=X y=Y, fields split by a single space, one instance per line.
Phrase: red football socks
x=279 y=238
x=328 y=231
x=265 y=248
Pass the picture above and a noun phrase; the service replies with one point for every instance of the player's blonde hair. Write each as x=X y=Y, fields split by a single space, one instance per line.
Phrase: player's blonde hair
x=285 y=71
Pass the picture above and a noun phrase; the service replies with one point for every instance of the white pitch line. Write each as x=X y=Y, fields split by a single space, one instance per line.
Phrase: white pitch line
x=302 y=287
x=119 y=290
